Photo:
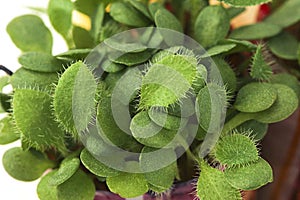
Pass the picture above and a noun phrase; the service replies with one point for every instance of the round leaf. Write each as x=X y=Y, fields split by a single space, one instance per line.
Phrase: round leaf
x=29 y=33
x=46 y=191
x=257 y=129
x=25 y=165
x=235 y=150
x=251 y=176
x=212 y=25
x=255 y=97
x=129 y=59
x=244 y=3
x=164 y=19
x=79 y=186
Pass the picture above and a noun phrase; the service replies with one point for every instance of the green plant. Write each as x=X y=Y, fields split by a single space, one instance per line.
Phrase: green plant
x=172 y=93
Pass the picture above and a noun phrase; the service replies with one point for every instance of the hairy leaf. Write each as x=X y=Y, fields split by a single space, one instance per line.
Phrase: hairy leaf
x=8 y=131
x=243 y=3
x=260 y=70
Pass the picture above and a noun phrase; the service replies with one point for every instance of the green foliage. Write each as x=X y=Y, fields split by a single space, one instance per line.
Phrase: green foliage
x=255 y=97
x=19 y=164
x=255 y=31
x=212 y=25
x=46 y=191
x=246 y=178
x=238 y=3
x=260 y=70
x=8 y=131
x=235 y=150
x=287 y=49
x=29 y=33
x=40 y=62
x=212 y=185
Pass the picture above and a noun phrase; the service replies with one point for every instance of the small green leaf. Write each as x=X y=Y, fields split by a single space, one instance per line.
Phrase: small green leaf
x=129 y=59
x=148 y=133
x=38 y=80
x=255 y=31
x=112 y=67
x=154 y=7
x=29 y=33
x=212 y=25
x=125 y=47
x=8 y=131
x=88 y=7
x=60 y=15
x=240 y=45
x=95 y=166
x=233 y=11
x=162 y=179
x=287 y=49
x=282 y=16
x=82 y=38
x=243 y=3
x=184 y=108
x=46 y=191
x=260 y=70
x=5 y=103
x=251 y=176
x=67 y=168
x=164 y=19
x=218 y=49
x=79 y=186
x=235 y=150
x=40 y=62
x=128 y=185
x=158 y=91
x=285 y=104
x=25 y=165
x=97 y=20
x=126 y=14
x=74 y=54
x=210 y=107
x=165 y=120
x=35 y=121
x=212 y=185
x=255 y=97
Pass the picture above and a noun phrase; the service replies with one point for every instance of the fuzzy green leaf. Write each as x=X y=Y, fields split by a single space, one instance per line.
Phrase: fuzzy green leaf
x=68 y=168
x=95 y=166
x=285 y=104
x=46 y=191
x=163 y=178
x=25 y=165
x=74 y=98
x=251 y=176
x=212 y=185
x=260 y=70
x=218 y=49
x=74 y=54
x=240 y=45
x=287 y=49
x=212 y=25
x=141 y=6
x=29 y=33
x=235 y=150
x=60 y=15
x=129 y=59
x=128 y=185
x=35 y=121
x=82 y=38
x=282 y=16
x=112 y=67
x=158 y=91
x=165 y=120
x=38 y=80
x=40 y=62
x=255 y=97
x=127 y=14
x=255 y=31
x=243 y=3
x=79 y=186
x=125 y=47
x=184 y=108
x=8 y=131
x=210 y=107
x=148 y=133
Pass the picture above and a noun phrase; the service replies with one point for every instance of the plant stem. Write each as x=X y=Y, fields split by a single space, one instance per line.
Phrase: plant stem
x=236 y=121
x=6 y=70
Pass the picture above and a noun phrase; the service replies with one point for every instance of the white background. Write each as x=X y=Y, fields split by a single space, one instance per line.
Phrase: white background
x=11 y=189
